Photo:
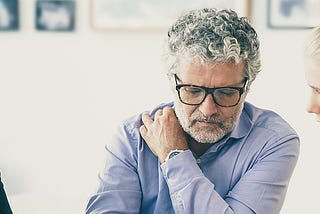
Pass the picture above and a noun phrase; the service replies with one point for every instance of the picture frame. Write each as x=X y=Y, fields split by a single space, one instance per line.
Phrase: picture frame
x=293 y=14
x=147 y=15
x=55 y=15
x=9 y=15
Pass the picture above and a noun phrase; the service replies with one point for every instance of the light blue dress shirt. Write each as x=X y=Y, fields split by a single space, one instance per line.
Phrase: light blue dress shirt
x=246 y=172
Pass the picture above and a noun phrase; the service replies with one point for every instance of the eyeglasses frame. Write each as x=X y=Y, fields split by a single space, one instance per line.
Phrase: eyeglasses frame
x=210 y=91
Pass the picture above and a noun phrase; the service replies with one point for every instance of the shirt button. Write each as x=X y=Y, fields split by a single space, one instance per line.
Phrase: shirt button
x=198 y=161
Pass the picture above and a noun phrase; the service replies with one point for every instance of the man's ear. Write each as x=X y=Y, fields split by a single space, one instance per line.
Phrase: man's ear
x=248 y=86
x=171 y=81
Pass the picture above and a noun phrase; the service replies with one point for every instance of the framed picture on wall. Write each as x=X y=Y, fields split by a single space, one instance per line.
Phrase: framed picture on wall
x=147 y=14
x=293 y=14
x=52 y=15
x=9 y=15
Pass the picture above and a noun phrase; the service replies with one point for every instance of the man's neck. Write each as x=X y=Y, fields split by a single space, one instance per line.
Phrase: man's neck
x=197 y=148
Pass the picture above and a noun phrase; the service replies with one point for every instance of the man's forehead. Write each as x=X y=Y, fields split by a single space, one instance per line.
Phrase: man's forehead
x=185 y=66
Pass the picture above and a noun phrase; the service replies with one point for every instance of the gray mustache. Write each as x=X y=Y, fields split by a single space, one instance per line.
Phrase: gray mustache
x=209 y=119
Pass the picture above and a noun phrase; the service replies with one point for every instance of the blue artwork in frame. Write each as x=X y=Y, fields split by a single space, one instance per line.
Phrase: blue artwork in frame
x=293 y=14
x=54 y=15
x=9 y=15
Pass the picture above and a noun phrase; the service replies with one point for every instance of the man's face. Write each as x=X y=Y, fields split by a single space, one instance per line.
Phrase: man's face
x=208 y=122
x=313 y=79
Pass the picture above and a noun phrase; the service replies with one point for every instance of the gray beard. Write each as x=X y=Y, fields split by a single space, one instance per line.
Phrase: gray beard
x=207 y=134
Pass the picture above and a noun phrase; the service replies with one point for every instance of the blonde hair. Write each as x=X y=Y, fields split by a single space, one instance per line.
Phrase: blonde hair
x=312 y=51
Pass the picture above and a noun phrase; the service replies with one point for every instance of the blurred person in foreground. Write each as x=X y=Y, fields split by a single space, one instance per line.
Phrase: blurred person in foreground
x=4 y=204
x=209 y=151
x=313 y=71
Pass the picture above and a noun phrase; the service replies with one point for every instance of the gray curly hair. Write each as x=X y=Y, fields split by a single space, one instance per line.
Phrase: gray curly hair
x=212 y=35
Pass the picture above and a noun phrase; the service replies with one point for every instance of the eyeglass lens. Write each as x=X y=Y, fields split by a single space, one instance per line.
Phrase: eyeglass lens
x=222 y=96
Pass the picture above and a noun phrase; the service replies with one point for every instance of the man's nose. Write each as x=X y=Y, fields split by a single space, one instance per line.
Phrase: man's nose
x=208 y=107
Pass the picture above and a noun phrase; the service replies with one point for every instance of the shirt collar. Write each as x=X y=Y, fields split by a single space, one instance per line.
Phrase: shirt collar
x=243 y=126
x=241 y=129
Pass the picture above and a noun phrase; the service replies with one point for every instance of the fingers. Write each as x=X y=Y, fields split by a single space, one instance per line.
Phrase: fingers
x=146 y=119
x=143 y=130
x=144 y=133
x=147 y=122
x=158 y=114
x=168 y=111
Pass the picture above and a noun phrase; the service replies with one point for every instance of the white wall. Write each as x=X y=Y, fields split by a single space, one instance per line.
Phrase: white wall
x=62 y=93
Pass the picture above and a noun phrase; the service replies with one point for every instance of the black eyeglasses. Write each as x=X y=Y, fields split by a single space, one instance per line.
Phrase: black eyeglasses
x=222 y=96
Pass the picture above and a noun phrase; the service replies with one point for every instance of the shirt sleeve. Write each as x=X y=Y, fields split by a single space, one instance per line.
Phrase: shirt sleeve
x=261 y=189
x=119 y=190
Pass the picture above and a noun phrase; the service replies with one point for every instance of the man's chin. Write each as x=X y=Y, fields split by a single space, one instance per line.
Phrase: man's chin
x=205 y=128
x=206 y=135
x=206 y=140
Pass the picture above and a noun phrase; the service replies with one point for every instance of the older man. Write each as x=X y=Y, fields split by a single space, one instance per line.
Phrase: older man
x=209 y=151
